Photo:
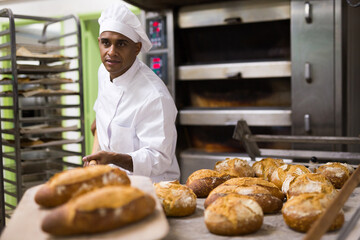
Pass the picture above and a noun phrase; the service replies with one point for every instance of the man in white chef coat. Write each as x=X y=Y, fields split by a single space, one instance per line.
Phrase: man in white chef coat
x=135 y=113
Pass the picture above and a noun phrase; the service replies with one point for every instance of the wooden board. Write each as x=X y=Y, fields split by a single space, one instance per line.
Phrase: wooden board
x=26 y=221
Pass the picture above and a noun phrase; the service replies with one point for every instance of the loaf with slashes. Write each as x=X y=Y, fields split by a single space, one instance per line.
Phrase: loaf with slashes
x=74 y=182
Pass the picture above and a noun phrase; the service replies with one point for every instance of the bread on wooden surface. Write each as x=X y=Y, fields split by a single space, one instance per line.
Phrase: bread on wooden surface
x=70 y=183
x=310 y=183
x=268 y=202
x=337 y=173
x=204 y=180
x=100 y=210
x=177 y=200
x=300 y=212
x=265 y=167
x=235 y=167
x=287 y=171
x=234 y=214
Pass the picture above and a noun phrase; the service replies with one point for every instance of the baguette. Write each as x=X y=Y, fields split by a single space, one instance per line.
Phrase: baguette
x=101 y=210
x=70 y=183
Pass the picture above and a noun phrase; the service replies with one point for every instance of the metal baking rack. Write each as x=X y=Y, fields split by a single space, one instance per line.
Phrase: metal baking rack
x=243 y=134
x=44 y=43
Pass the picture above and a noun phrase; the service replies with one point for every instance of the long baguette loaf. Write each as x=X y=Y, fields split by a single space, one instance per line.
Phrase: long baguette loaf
x=100 y=210
x=67 y=184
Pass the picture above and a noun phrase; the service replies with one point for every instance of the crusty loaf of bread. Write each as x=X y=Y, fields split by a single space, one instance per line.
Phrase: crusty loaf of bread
x=337 y=173
x=268 y=202
x=235 y=167
x=234 y=214
x=287 y=171
x=300 y=212
x=100 y=210
x=204 y=180
x=252 y=181
x=177 y=200
x=310 y=183
x=265 y=167
x=70 y=183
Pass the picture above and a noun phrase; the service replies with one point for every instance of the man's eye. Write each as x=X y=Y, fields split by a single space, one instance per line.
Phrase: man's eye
x=121 y=44
x=105 y=43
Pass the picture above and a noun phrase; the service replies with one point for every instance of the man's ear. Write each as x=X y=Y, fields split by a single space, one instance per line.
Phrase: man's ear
x=138 y=47
x=98 y=39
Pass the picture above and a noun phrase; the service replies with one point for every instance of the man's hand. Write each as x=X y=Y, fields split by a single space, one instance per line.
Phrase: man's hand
x=103 y=157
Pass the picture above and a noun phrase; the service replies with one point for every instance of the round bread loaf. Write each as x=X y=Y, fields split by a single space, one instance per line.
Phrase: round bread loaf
x=337 y=173
x=204 y=180
x=310 y=183
x=234 y=214
x=235 y=167
x=300 y=212
x=70 y=183
x=100 y=210
x=265 y=167
x=268 y=202
x=252 y=181
x=287 y=171
x=177 y=200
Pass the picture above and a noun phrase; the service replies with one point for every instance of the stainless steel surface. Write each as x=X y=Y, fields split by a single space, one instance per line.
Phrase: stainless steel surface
x=313 y=43
x=307 y=72
x=308 y=12
x=349 y=226
x=227 y=117
x=233 y=12
x=245 y=70
x=307 y=123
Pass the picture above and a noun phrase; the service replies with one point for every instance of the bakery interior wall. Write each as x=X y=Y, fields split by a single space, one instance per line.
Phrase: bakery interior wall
x=88 y=11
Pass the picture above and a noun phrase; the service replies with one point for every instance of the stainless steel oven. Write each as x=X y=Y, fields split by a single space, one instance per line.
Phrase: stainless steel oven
x=286 y=67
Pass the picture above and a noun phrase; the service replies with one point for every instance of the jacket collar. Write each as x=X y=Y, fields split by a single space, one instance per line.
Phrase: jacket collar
x=124 y=80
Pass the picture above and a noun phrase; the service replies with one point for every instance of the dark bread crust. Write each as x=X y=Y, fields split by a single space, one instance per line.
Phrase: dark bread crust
x=52 y=194
x=60 y=222
x=202 y=187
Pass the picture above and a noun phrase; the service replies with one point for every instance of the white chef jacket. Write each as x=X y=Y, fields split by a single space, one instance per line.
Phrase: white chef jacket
x=135 y=114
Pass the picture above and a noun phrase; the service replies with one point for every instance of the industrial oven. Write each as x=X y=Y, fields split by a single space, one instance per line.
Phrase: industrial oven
x=285 y=67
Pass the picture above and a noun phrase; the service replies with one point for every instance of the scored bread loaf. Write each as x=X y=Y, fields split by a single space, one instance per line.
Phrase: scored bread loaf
x=300 y=212
x=268 y=202
x=233 y=214
x=70 y=183
x=100 y=210
x=177 y=200
x=204 y=180
x=287 y=171
x=265 y=167
x=310 y=183
x=235 y=167
x=337 y=173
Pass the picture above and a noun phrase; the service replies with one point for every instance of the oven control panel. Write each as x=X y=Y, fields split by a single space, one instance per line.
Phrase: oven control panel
x=156 y=30
x=157 y=63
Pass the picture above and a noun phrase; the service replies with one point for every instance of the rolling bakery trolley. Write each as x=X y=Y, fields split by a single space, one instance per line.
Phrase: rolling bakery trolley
x=41 y=102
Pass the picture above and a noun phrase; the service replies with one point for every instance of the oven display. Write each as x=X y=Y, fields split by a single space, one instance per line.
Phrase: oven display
x=157 y=63
x=156 y=32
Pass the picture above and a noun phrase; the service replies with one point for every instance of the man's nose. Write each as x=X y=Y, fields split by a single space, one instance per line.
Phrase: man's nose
x=112 y=50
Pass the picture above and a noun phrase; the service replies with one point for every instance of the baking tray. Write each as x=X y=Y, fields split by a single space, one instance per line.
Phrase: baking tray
x=26 y=220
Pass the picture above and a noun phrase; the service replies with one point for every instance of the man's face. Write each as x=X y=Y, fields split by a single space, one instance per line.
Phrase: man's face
x=117 y=52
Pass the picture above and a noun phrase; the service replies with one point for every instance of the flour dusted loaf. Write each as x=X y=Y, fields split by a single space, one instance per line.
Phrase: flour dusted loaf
x=234 y=214
x=235 y=167
x=204 y=180
x=337 y=173
x=300 y=212
x=287 y=172
x=266 y=194
x=310 y=183
x=70 y=183
x=177 y=200
x=265 y=167
x=100 y=210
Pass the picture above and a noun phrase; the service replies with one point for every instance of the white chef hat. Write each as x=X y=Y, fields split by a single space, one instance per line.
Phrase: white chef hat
x=118 y=18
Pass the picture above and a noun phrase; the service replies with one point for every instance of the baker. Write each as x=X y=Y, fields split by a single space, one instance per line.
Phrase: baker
x=135 y=113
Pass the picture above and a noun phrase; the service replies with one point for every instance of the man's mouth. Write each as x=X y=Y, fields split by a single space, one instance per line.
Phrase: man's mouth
x=112 y=61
